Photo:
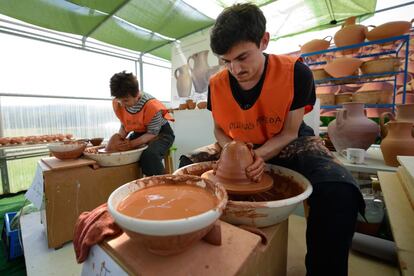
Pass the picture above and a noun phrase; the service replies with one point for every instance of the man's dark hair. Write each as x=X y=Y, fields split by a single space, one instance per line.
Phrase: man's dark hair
x=123 y=85
x=238 y=23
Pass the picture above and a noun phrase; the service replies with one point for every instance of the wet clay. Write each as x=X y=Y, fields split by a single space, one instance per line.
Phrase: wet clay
x=163 y=202
x=230 y=170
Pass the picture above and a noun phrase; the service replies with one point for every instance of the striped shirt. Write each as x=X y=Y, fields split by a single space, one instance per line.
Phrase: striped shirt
x=156 y=122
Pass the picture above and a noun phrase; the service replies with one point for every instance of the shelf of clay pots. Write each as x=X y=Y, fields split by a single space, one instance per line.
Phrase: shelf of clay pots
x=358 y=78
x=366 y=106
x=403 y=38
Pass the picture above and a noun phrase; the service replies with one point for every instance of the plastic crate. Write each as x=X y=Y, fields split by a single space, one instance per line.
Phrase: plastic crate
x=11 y=238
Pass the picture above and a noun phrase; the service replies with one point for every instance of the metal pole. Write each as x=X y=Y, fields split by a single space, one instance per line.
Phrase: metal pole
x=3 y=161
x=141 y=72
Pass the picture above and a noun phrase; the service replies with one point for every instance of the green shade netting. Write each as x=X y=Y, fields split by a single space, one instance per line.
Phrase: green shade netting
x=149 y=26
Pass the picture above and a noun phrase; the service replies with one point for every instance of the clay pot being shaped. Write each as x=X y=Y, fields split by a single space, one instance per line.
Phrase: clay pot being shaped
x=389 y=29
x=230 y=170
x=352 y=128
x=399 y=141
x=342 y=67
x=262 y=209
x=176 y=211
x=199 y=70
x=350 y=34
x=404 y=113
x=183 y=77
x=113 y=142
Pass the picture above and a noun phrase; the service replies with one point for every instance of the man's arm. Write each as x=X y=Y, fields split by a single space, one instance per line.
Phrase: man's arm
x=221 y=137
x=274 y=145
x=122 y=131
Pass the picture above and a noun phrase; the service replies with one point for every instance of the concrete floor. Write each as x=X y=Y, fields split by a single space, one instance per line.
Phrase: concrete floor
x=359 y=264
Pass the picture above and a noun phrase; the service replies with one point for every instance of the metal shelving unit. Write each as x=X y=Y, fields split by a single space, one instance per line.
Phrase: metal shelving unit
x=398 y=41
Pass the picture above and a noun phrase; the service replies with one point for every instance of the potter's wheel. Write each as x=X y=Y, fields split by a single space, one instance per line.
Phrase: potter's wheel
x=241 y=188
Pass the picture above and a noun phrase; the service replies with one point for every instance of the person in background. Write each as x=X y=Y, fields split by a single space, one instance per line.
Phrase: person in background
x=261 y=99
x=144 y=120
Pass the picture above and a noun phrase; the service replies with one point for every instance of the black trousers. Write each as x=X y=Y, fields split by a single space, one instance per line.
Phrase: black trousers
x=151 y=159
x=333 y=204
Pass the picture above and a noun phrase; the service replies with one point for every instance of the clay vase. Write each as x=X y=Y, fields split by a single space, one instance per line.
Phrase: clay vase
x=183 y=77
x=342 y=67
x=352 y=128
x=404 y=113
x=199 y=70
x=389 y=29
x=399 y=141
x=350 y=34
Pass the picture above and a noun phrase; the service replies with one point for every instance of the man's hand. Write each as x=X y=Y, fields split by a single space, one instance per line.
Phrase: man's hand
x=255 y=171
x=124 y=145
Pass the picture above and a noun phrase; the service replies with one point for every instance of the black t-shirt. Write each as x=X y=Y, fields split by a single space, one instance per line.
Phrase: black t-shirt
x=304 y=89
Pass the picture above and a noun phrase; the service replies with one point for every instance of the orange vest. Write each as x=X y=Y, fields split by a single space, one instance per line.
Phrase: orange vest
x=138 y=121
x=266 y=117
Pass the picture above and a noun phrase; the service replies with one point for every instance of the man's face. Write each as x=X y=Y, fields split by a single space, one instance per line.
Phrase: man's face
x=245 y=60
x=128 y=101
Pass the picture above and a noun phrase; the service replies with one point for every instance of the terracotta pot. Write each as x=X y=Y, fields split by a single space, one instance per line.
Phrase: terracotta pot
x=399 y=141
x=342 y=67
x=375 y=112
x=183 y=77
x=389 y=29
x=382 y=65
x=373 y=97
x=66 y=150
x=350 y=34
x=199 y=70
x=202 y=105
x=352 y=129
x=326 y=94
x=404 y=113
x=319 y=74
x=376 y=86
x=315 y=45
x=400 y=79
x=341 y=98
x=409 y=97
x=170 y=236
x=96 y=141
x=190 y=104
x=352 y=87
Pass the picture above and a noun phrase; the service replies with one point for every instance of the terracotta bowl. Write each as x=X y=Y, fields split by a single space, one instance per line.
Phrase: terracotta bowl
x=382 y=65
x=65 y=150
x=96 y=141
x=260 y=210
x=167 y=237
x=342 y=67
x=110 y=159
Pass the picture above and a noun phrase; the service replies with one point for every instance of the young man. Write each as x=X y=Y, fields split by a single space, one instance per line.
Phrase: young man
x=261 y=99
x=145 y=119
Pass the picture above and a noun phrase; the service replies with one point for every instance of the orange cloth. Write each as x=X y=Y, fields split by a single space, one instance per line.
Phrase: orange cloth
x=267 y=116
x=92 y=228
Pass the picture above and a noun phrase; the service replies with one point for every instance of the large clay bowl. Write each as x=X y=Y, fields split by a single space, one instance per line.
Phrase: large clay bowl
x=342 y=67
x=65 y=150
x=110 y=159
x=167 y=237
x=260 y=213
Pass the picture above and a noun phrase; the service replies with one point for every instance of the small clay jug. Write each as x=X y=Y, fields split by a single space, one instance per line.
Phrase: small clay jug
x=183 y=77
x=315 y=45
x=199 y=70
x=352 y=128
x=404 y=113
x=350 y=34
x=399 y=141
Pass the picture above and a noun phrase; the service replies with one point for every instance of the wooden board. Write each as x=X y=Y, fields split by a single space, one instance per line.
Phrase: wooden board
x=241 y=253
x=57 y=164
x=401 y=219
